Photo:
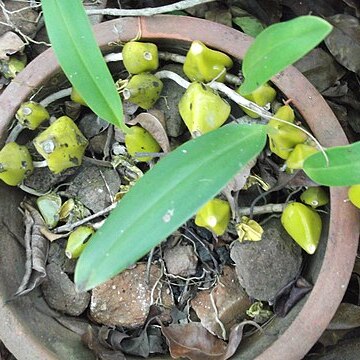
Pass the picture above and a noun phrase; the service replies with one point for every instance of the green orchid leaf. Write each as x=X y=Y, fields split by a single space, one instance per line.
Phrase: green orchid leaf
x=79 y=56
x=250 y=25
x=343 y=168
x=165 y=197
x=278 y=46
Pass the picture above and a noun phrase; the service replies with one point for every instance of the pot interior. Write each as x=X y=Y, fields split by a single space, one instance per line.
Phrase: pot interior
x=29 y=329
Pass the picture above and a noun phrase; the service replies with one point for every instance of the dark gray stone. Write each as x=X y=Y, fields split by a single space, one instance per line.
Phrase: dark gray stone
x=91 y=186
x=265 y=267
x=59 y=292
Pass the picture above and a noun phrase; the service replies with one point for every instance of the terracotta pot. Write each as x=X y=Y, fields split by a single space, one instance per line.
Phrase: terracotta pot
x=31 y=334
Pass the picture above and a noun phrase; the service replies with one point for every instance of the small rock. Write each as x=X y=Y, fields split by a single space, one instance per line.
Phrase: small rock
x=92 y=184
x=168 y=103
x=125 y=300
x=60 y=293
x=98 y=142
x=57 y=256
x=231 y=303
x=91 y=125
x=43 y=180
x=181 y=260
x=265 y=267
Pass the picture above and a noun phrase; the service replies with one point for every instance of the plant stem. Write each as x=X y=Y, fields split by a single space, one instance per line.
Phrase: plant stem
x=55 y=96
x=168 y=56
x=263 y=209
x=181 y=5
x=230 y=93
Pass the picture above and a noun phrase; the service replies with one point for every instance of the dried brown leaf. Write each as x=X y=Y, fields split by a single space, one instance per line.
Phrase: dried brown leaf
x=320 y=68
x=347 y=316
x=10 y=43
x=90 y=339
x=194 y=342
x=153 y=125
x=290 y=295
x=355 y=4
x=344 y=41
x=37 y=247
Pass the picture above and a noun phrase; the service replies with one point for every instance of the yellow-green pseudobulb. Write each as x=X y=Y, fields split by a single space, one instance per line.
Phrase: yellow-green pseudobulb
x=315 y=197
x=203 y=64
x=303 y=224
x=77 y=241
x=263 y=95
x=354 y=195
x=214 y=216
x=300 y=153
x=139 y=140
x=139 y=57
x=15 y=163
x=202 y=109
x=284 y=137
x=31 y=115
x=62 y=145
x=144 y=90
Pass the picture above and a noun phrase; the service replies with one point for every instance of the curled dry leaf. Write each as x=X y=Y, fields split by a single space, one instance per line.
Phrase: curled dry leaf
x=236 y=184
x=344 y=41
x=194 y=342
x=155 y=127
x=37 y=247
x=102 y=352
x=290 y=295
x=10 y=43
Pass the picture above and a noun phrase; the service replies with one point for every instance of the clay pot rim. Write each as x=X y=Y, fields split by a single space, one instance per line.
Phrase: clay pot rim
x=339 y=257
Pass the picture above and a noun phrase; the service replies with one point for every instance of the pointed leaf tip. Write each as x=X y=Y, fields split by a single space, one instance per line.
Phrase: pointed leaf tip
x=279 y=46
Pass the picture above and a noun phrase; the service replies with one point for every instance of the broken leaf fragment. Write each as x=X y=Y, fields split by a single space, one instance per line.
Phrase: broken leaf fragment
x=315 y=197
x=72 y=211
x=31 y=115
x=15 y=163
x=62 y=145
x=249 y=230
x=261 y=96
x=143 y=89
x=303 y=224
x=10 y=68
x=49 y=206
x=77 y=241
x=139 y=140
x=202 y=109
x=140 y=57
x=214 y=216
x=257 y=312
x=203 y=64
x=354 y=195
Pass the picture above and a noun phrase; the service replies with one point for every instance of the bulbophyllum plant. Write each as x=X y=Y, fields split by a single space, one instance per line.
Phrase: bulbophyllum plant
x=201 y=167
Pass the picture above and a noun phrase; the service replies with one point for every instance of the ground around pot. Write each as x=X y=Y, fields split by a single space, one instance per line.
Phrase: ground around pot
x=340 y=88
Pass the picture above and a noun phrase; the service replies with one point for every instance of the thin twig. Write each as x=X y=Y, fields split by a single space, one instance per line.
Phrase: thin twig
x=181 y=5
